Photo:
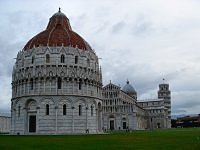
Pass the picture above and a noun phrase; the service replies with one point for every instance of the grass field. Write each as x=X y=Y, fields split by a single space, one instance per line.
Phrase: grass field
x=172 y=139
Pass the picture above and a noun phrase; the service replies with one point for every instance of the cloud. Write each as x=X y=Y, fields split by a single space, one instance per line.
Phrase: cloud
x=186 y=100
x=116 y=28
x=143 y=41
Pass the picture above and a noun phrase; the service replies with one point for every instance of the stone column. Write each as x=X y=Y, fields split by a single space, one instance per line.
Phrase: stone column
x=56 y=113
x=37 y=119
x=39 y=85
x=96 y=120
x=44 y=82
x=72 y=85
x=24 y=87
x=33 y=86
x=20 y=88
x=25 y=119
x=13 y=112
x=86 y=125
x=28 y=86
x=72 y=119
x=87 y=88
x=100 y=119
x=50 y=86
x=57 y=85
x=62 y=84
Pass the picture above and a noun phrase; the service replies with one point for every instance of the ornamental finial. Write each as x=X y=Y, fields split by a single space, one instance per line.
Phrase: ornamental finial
x=59 y=10
x=163 y=80
x=127 y=81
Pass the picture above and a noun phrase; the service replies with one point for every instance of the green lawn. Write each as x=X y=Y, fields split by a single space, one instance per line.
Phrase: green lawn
x=172 y=139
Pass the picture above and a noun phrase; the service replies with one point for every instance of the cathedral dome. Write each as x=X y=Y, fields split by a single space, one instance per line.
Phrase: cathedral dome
x=58 y=33
x=57 y=72
x=129 y=89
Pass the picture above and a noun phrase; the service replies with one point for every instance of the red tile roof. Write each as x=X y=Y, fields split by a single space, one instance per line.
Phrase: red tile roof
x=58 y=33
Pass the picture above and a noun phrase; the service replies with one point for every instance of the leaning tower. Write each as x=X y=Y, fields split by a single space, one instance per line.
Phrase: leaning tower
x=164 y=93
x=56 y=83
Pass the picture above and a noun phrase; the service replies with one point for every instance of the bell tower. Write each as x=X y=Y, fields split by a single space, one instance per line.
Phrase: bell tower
x=165 y=94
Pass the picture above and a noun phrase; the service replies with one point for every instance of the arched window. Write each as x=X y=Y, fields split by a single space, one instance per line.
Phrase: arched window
x=47 y=58
x=99 y=106
x=88 y=62
x=19 y=111
x=33 y=58
x=31 y=84
x=62 y=58
x=79 y=110
x=95 y=65
x=92 y=110
x=80 y=84
x=64 y=109
x=59 y=83
x=47 y=109
x=76 y=59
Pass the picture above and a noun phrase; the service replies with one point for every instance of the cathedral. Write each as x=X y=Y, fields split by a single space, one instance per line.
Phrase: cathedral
x=57 y=89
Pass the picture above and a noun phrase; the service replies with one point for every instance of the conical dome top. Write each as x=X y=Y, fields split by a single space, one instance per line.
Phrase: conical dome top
x=58 y=33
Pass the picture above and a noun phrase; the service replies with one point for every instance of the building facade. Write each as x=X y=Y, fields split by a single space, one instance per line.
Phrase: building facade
x=5 y=124
x=57 y=89
x=122 y=110
x=187 y=121
x=56 y=83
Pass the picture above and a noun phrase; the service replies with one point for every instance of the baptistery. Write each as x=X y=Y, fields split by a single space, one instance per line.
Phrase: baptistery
x=56 y=83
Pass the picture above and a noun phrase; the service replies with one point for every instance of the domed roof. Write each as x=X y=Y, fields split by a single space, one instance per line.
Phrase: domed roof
x=128 y=89
x=58 y=33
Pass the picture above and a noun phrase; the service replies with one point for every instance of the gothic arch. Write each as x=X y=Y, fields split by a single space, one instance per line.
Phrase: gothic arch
x=30 y=104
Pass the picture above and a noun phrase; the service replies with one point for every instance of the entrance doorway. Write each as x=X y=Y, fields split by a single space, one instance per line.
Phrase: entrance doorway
x=158 y=125
x=112 y=125
x=124 y=125
x=32 y=123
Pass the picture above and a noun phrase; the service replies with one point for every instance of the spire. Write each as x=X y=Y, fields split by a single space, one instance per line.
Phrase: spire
x=127 y=81
x=163 y=80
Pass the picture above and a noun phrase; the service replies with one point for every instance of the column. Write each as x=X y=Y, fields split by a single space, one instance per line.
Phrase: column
x=37 y=119
x=87 y=88
x=56 y=109
x=44 y=85
x=86 y=125
x=39 y=86
x=72 y=119
x=50 y=85
x=28 y=86
x=72 y=85
x=25 y=120
x=96 y=120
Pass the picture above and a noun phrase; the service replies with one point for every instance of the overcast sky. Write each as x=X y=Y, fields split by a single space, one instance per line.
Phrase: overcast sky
x=143 y=41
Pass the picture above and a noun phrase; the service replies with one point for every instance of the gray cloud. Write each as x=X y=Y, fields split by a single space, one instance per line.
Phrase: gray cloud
x=141 y=41
x=116 y=28
x=141 y=26
x=186 y=100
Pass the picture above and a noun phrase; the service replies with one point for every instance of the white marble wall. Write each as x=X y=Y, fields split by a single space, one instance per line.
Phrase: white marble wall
x=146 y=114
x=56 y=122
x=5 y=123
x=35 y=84
x=43 y=76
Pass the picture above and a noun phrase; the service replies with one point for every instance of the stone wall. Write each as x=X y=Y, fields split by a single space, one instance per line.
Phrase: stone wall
x=32 y=75
x=55 y=122
x=5 y=123
x=56 y=76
